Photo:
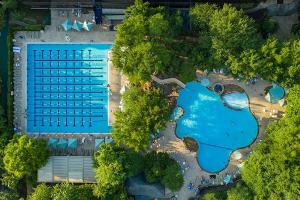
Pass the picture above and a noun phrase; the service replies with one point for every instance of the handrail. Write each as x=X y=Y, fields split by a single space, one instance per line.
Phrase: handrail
x=168 y=81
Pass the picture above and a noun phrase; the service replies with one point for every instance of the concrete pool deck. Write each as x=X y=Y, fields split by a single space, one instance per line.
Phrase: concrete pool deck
x=188 y=160
x=52 y=34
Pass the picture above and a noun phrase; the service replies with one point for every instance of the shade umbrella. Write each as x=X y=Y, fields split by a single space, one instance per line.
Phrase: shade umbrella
x=227 y=179
x=72 y=143
x=123 y=89
x=67 y=25
x=77 y=25
x=108 y=140
x=52 y=142
x=237 y=155
x=98 y=142
x=87 y=25
x=62 y=143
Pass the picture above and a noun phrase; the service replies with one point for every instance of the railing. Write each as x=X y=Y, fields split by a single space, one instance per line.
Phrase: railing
x=168 y=81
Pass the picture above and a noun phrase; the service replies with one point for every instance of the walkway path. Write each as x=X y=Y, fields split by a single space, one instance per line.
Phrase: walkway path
x=168 y=81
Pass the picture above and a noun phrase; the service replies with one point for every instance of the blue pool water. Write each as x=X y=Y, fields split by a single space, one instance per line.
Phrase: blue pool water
x=217 y=129
x=236 y=100
x=67 y=88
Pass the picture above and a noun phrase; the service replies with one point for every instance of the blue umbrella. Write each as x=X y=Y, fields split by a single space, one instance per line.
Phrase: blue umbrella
x=67 y=25
x=87 y=25
x=77 y=25
x=108 y=140
x=98 y=142
x=227 y=179
x=72 y=143
x=52 y=142
x=62 y=143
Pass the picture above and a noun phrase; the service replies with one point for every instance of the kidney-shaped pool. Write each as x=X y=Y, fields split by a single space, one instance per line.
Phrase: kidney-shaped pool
x=218 y=129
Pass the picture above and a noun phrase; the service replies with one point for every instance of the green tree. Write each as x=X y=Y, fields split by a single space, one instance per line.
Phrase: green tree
x=160 y=167
x=64 y=191
x=9 y=4
x=239 y=192
x=113 y=165
x=173 y=178
x=144 y=112
x=41 y=192
x=143 y=41
x=8 y=195
x=232 y=32
x=275 y=61
x=24 y=156
x=200 y=16
x=272 y=170
x=213 y=196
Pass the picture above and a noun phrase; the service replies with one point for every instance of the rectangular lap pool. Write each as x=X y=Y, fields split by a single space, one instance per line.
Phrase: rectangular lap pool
x=67 y=88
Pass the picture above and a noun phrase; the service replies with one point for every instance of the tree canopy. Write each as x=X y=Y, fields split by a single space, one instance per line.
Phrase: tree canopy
x=41 y=192
x=239 y=192
x=272 y=171
x=23 y=155
x=63 y=191
x=144 y=112
x=113 y=165
x=160 y=167
x=142 y=40
x=275 y=60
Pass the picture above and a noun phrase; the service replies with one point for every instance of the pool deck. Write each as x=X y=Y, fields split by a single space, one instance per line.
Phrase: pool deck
x=54 y=34
x=188 y=160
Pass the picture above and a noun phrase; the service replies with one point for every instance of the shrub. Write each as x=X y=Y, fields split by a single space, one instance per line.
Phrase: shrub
x=24 y=156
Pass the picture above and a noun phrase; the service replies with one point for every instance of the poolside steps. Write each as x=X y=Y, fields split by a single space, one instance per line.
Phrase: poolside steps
x=168 y=81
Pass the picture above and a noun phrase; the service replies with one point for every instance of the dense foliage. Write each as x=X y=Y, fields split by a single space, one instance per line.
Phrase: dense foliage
x=221 y=33
x=41 y=192
x=63 y=191
x=272 y=171
x=160 y=167
x=276 y=61
x=144 y=112
x=141 y=47
x=23 y=155
x=113 y=165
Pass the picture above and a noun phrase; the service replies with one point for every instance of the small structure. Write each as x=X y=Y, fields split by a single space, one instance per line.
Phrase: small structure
x=236 y=155
x=74 y=169
x=218 y=88
x=137 y=186
x=275 y=93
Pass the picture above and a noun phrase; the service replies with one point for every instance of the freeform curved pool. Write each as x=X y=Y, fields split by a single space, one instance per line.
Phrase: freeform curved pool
x=218 y=130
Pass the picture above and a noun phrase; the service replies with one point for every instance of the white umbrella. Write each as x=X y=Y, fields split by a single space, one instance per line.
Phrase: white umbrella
x=87 y=25
x=123 y=89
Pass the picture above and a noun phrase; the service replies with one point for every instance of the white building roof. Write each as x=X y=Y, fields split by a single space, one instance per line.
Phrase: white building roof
x=74 y=169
